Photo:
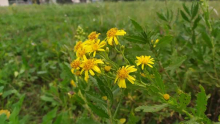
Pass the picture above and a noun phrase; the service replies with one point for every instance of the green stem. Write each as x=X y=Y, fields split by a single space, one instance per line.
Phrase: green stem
x=119 y=103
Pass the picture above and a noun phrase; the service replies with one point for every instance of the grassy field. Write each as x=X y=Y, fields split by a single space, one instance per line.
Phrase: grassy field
x=37 y=40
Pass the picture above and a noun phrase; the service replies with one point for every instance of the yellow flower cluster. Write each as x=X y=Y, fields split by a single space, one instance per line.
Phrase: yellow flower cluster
x=86 y=64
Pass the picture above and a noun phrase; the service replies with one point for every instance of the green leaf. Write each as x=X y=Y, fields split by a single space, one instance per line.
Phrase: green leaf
x=161 y=16
x=105 y=90
x=86 y=120
x=94 y=98
x=48 y=118
x=136 y=25
x=201 y=102
x=135 y=39
x=184 y=99
x=98 y=111
x=154 y=108
x=164 y=41
x=3 y=118
x=176 y=62
x=195 y=10
x=207 y=39
x=186 y=9
x=10 y=92
x=196 y=22
x=184 y=16
x=158 y=81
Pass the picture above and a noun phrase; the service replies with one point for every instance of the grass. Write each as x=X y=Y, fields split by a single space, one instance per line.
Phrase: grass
x=36 y=39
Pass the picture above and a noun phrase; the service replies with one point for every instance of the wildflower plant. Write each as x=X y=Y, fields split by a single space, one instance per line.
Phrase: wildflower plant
x=110 y=72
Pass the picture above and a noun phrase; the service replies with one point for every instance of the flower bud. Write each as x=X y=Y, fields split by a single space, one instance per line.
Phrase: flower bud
x=166 y=96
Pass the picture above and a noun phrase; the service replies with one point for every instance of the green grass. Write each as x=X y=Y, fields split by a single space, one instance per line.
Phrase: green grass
x=36 y=40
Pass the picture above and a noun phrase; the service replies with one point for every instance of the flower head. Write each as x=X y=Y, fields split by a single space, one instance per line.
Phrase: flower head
x=90 y=65
x=166 y=96
x=105 y=98
x=145 y=60
x=123 y=74
x=111 y=35
x=122 y=120
x=95 y=47
x=93 y=36
x=107 y=68
x=6 y=112
x=81 y=52
x=75 y=64
x=78 y=46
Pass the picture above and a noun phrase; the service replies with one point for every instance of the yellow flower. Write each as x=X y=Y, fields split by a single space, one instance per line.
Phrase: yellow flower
x=122 y=120
x=104 y=97
x=107 y=68
x=88 y=65
x=73 y=83
x=123 y=73
x=111 y=35
x=93 y=35
x=6 y=112
x=166 y=96
x=145 y=60
x=81 y=53
x=95 y=47
x=75 y=65
x=79 y=45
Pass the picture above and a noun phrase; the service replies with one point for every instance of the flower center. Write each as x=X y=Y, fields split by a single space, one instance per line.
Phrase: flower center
x=95 y=47
x=75 y=64
x=112 y=32
x=89 y=64
x=92 y=36
x=78 y=46
x=122 y=73
x=81 y=52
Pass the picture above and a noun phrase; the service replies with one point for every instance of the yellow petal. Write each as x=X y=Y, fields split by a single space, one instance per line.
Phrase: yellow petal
x=96 y=68
x=120 y=32
x=94 y=54
x=131 y=79
x=116 y=79
x=116 y=40
x=122 y=83
x=91 y=72
x=142 y=66
x=110 y=41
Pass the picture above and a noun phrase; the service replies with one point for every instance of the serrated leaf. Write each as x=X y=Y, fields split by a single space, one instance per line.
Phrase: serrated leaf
x=154 y=108
x=184 y=99
x=201 y=102
x=98 y=111
x=184 y=16
x=136 y=25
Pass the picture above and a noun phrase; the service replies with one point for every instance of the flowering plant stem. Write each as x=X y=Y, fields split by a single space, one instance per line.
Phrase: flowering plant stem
x=119 y=103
